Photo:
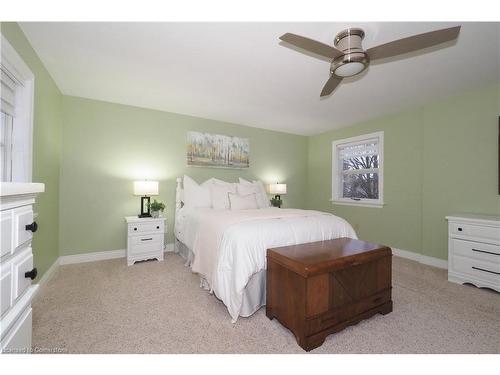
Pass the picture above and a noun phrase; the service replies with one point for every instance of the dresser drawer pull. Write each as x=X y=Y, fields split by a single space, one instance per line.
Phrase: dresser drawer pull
x=146 y=239
x=32 y=227
x=482 y=269
x=486 y=252
x=31 y=274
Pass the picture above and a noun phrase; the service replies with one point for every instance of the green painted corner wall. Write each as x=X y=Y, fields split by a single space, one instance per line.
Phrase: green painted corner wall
x=106 y=146
x=46 y=149
x=440 y=159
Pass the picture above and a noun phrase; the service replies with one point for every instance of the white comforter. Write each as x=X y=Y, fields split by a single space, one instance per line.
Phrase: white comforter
x=230 y=246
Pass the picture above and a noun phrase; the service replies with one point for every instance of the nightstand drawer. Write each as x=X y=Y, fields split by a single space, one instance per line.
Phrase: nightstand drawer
x=476 y=232
x=146 y=244
x=475 y=250
x=150 y=227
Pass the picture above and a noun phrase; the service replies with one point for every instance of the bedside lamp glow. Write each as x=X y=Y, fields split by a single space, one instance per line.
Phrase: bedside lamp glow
x=145 y=189
x=278 y=190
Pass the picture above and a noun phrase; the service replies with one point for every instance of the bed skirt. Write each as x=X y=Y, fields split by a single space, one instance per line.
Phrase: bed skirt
x=254 y=295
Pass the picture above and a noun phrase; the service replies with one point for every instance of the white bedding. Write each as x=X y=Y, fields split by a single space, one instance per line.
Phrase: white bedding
x=230 y=246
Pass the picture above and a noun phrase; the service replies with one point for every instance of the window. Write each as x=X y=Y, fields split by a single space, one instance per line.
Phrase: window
x=357 y=170
x=16 y=121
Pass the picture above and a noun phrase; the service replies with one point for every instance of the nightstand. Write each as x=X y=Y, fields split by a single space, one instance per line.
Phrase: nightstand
x=145 y=238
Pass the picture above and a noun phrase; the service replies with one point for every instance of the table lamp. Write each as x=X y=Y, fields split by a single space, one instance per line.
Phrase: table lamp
x=277 y=189
x=145 y=189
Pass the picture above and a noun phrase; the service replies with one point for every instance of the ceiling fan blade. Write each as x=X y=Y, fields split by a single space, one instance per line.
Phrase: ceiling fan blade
x=330 y=85
x=311 y=45
x=413 y=43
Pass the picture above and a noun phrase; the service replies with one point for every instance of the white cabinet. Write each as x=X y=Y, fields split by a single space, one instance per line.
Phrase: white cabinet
x=474 y=250
x=145 y=238
x=16 y=264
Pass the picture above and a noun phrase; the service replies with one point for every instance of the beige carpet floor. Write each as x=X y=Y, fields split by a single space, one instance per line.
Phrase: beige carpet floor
x=158 y=307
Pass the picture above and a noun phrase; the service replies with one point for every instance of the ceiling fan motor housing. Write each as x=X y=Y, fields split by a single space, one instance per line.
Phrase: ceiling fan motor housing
x=354 y=60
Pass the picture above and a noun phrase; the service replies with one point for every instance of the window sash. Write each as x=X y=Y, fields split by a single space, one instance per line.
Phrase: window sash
x=361 y=146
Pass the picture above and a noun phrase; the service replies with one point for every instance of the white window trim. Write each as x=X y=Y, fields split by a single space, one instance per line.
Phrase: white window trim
x=22 y=153
x=335 y=165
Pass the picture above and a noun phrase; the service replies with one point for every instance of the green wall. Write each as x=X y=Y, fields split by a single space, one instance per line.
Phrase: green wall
x=46 y=149
x=107 y=146
x=440 y=159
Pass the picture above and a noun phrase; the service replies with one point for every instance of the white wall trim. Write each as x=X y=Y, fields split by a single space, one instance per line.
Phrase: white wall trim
x=424 y=259
x=92 y=257
x=48 y=274
x=101 y=255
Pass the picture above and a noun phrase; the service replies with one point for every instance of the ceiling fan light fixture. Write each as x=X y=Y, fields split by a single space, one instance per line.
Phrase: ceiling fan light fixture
x=350 y=69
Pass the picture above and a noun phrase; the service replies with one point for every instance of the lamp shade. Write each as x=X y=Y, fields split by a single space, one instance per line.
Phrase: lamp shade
x=277 y=189
x=145 y=188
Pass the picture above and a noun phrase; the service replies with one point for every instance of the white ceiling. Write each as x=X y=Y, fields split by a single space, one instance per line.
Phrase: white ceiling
x=238 y=72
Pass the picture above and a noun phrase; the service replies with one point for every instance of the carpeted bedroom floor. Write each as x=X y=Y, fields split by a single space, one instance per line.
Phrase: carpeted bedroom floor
x=158 y=307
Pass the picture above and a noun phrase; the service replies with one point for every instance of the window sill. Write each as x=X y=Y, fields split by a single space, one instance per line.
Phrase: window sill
x=357 y=203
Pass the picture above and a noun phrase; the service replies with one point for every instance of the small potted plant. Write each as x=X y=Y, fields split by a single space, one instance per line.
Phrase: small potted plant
x=155 y=208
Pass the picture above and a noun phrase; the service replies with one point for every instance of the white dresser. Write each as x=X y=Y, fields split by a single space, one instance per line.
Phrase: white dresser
x=145 y=238
x=17 y=226
x=474 y=250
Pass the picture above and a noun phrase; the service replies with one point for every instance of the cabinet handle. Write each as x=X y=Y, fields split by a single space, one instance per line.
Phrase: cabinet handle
x=146 y=239
x=486 y=252
x=157 y=227
x=31 y=274
x=135 y=228
x=32 y=227
x=482 y=269
x=459 y=229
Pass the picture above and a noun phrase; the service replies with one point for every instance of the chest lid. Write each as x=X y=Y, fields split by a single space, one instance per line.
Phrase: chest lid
x=319 y=257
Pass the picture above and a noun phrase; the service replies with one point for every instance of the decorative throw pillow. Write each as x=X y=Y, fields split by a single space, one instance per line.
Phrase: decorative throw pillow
x=220 y=198
x=258 y=188
x=196 y=195
x=242 y=202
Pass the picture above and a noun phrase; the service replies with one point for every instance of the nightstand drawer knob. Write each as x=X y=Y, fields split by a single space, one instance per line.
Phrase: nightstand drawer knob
x=146 y=239
x=460 y=229
x=157 y=227
x=135 y=228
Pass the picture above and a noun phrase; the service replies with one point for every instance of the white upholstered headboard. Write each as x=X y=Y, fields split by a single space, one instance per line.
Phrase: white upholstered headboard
x=179 y=195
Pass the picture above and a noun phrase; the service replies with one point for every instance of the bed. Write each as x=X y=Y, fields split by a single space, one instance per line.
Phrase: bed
x=227 y=248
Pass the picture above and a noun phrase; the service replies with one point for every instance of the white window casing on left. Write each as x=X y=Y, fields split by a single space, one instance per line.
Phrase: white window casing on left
x=17 y=97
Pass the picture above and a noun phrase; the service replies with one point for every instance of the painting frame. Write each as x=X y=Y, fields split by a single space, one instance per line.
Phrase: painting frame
x=217 y=151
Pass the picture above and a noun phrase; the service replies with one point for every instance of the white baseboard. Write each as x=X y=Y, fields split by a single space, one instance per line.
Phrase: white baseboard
x=91 y=257
x=48 y=274
x=424 y=259
x=101 y=255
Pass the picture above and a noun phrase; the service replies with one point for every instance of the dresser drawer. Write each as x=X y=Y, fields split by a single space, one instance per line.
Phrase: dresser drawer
x=477 y=269
x=21 y=264
x=7 y=231
x=478 y=232
x=139 y=228
x=475 y=250
x=5 y=287
x=22 y=216
x=146 y=243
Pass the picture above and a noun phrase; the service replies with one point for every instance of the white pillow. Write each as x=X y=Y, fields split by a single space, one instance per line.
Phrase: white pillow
x=257 y=187
x=196 y=195
x=242 y=202
x=220 y=198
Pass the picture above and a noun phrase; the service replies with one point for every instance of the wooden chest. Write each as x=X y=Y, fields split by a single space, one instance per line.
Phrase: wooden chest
x=319 y=288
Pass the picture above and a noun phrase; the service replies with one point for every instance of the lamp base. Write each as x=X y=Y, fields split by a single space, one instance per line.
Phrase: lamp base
x=276 y=201
x=145 y=207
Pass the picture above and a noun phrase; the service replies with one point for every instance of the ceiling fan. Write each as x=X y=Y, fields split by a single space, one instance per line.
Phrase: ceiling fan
x=349 y=58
